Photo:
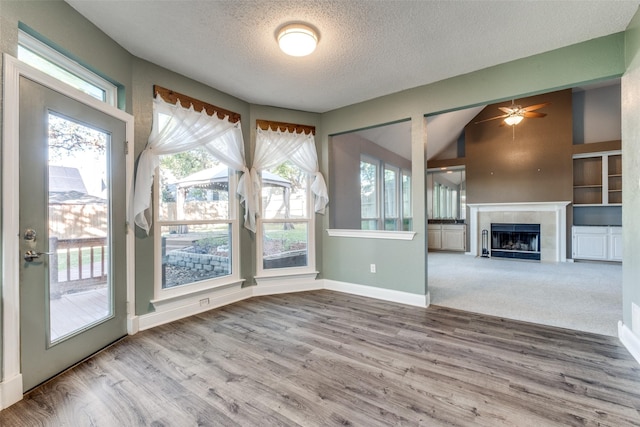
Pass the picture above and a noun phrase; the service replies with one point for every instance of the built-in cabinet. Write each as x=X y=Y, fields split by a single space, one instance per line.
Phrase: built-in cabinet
x=597 y=178
x=597 y=243
x=447 y=237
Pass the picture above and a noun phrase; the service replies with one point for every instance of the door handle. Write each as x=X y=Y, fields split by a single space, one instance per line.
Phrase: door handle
x=29 y=256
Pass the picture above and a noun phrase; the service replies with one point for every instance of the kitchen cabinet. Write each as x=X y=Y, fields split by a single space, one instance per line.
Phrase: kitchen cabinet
x=447 y=237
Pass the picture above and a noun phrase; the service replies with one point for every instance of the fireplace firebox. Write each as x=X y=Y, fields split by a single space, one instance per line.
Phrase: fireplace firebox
x=521 y=241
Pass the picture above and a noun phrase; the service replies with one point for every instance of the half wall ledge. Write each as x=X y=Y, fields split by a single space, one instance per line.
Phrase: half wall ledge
x=372 y=234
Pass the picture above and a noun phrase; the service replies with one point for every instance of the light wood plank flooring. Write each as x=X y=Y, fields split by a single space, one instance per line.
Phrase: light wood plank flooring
x=323 y=358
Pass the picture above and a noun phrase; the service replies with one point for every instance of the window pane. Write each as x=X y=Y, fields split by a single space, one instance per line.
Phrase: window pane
x=193 y=186
x=192 y=253
x=284 y=245
x=390 y=224
x=368 y=190
x=284 y=192
x=369 y=224
x=79 y=226
x=406 y=196
x=46 y=66
x=390 y=193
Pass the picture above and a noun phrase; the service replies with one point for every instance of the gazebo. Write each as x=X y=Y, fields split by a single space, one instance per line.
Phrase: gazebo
x=217 y=179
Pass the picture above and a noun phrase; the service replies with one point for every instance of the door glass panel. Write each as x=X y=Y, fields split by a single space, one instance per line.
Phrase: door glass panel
x=78 y=221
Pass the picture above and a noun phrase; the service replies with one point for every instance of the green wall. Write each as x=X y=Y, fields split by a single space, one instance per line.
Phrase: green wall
x=631 y=175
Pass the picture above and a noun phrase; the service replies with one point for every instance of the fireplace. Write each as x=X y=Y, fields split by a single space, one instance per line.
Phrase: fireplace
x=521 y=241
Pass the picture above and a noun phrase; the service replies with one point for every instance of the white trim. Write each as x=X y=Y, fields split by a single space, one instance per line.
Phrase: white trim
x=12 y=71
x=170 y=300
x=559 y=208
x=10 y=391
x=270 y=285
x=179 y=308
x=597 y=154
x=372 y=234
x=629 y=340
x=379 y=293
x=69 y=65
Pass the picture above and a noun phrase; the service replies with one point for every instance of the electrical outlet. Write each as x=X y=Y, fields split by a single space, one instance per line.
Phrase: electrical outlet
x=373 y=268
x=204 y=301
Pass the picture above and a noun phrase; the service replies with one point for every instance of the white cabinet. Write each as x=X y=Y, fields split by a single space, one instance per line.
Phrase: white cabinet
x=449 y=237
x=434 y=234
x=615 y=244
x=597 y=243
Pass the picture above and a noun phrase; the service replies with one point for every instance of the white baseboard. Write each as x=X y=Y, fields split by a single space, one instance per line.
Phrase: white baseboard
x=10 y=391
x=133 y=324
x=286 y=284
x=378 y=293
x=192 y=305
x=630 y=340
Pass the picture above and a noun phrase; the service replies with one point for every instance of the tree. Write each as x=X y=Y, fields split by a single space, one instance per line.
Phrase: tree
x=184 y=164
x=67 y=137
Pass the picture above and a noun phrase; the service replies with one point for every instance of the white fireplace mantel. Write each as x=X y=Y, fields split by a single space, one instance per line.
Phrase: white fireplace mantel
x=559 y=233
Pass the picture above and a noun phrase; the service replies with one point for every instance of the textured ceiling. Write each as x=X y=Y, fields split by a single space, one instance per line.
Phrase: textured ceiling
x=367 y=48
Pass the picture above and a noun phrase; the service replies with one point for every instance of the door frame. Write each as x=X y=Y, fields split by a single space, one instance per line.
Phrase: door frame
x=11 y=389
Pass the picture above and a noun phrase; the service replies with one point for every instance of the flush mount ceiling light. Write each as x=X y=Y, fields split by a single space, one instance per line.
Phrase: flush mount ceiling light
x=297 y=39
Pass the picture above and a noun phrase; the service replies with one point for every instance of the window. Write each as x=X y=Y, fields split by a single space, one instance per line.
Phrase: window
x=196 y=221
x=386 y=207
x=286 y=218
x=194 y=162
x=369 y=194
x=407 y=204
x=286 y=167
x=50 y=61
x=446 y=194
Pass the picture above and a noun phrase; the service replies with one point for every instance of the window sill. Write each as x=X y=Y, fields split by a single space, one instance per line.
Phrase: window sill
x=270 y=276
x=165 y=302
x=372 y=234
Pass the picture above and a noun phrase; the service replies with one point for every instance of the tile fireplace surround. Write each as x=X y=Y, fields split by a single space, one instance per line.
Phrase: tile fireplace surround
x=552 y=217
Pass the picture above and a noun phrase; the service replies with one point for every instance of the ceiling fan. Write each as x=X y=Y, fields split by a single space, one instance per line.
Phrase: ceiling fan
x=515 y=113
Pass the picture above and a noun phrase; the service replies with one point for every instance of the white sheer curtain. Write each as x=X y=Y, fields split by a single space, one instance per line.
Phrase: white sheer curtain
x=274 y=148
x=176 y=129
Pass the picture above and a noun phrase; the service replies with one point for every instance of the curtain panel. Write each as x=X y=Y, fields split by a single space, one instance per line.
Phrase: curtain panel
x=274 y=148
x=177 y=129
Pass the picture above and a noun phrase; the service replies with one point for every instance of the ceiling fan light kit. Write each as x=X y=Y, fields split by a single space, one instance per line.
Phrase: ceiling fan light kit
x=513 y=120
x=515 y=113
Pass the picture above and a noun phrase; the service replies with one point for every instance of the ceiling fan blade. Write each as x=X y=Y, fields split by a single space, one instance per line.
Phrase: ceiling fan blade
x=535 y=107
x=492 y=118
x=507 y=110
x=533 y=114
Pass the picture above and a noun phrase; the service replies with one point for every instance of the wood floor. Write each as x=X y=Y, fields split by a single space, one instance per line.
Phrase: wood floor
x=323 y=358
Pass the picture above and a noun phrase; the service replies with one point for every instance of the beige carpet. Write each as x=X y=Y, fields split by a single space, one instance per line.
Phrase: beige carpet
x=585 y=296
